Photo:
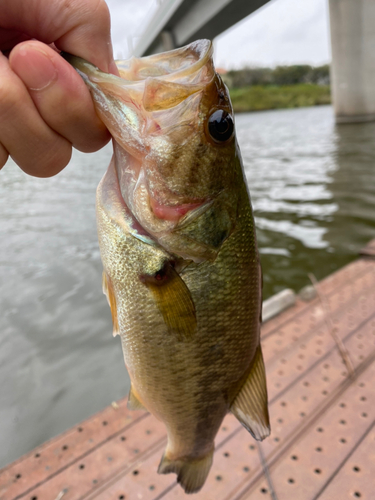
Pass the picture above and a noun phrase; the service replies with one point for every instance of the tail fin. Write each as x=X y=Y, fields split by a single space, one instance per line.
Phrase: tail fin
x=191 y=474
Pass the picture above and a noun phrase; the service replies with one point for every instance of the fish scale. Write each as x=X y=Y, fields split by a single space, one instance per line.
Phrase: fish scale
x=185 y=296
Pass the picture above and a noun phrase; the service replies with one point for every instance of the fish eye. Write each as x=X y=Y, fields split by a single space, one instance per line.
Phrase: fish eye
x=220 y=126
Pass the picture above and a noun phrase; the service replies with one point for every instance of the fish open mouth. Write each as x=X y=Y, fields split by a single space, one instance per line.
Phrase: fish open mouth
x=155 y=82
x=132 y=105
x=187 y=65
x=152 y=109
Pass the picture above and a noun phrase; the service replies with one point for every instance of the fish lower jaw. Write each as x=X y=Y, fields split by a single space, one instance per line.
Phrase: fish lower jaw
x=166 y=231
x=172 y=212
x=169 y=208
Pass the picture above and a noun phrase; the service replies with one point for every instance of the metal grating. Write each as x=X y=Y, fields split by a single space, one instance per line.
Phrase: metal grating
x=323 y=421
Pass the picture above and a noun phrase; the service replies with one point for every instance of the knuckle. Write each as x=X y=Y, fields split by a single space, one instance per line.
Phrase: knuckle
x=92 y=144
x=9 y=98
x=56 y=160
x=104 y=13
x=100 y=11
x=102 y=8
x=91 y=9
x=4 y=155
x=53 y=159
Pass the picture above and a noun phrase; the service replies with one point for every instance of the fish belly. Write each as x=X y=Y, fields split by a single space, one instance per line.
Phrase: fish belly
x=189 y=385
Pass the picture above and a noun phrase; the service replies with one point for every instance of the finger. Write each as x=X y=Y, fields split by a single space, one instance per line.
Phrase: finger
x=59 y=94
x=3 y=156
x=10 y=38
x=81 y=27
x=37 y=149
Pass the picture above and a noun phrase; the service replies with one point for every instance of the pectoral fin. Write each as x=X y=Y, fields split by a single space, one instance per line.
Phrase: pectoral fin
x=133 y=401
x=250 y=404
x=109 y=293
x=174 y=301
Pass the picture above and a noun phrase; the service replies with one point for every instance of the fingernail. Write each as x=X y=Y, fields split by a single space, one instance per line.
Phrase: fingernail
x=35 y=68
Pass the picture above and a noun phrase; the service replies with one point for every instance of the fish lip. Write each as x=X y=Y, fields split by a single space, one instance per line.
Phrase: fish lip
x=202 y=48
x=118 y=209
x=138 y=95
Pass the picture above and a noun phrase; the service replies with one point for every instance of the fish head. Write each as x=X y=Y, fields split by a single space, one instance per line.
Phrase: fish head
x=175 y=151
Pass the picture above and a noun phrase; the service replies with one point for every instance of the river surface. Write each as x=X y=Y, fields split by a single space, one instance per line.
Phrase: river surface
x=313 y=190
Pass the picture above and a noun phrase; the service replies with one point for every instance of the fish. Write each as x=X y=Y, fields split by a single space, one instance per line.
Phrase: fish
x=181 y=269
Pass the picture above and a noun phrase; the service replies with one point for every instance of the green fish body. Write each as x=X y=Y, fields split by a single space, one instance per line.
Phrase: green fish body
x=178 y=245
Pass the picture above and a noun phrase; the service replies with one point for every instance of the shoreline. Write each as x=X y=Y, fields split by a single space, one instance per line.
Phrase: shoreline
x=269 y=97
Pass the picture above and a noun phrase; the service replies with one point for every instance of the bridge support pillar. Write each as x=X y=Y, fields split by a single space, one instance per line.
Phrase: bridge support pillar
x=167 y=40
x=353 y=59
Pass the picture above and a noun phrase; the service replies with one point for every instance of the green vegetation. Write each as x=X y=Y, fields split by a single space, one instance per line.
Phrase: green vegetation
x=262 y=97
x=255 y=89
x=281 y=75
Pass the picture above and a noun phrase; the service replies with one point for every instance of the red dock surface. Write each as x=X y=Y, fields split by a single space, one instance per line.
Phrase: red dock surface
x=322 y=444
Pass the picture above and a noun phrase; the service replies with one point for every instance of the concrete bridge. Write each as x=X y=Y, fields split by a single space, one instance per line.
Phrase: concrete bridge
x=179 y=22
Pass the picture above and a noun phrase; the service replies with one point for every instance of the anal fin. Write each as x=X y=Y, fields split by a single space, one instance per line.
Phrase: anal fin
x=133 y=401
x=109 y=293
x=250 y=404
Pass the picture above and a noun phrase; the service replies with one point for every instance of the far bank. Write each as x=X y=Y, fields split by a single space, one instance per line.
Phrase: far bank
x=265 y=97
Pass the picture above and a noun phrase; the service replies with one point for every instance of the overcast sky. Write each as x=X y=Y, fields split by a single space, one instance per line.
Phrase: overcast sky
x=282 y=32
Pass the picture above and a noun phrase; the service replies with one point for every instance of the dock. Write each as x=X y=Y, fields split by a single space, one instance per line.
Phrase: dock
x=320 y=363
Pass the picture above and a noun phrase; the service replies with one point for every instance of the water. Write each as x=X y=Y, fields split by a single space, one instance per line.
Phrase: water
x=312 y=187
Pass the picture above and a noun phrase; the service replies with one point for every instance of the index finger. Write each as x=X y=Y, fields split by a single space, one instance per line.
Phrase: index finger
x=80 y=27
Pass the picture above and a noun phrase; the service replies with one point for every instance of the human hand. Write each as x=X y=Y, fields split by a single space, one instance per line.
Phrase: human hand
x=45 y=107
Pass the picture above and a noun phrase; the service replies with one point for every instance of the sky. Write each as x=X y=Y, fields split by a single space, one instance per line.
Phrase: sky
x=282 y=32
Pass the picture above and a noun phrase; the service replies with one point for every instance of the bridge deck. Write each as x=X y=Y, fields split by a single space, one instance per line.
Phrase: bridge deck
x=323 y=421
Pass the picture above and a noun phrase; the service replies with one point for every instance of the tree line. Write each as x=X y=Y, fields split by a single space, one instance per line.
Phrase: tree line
x=281 y=75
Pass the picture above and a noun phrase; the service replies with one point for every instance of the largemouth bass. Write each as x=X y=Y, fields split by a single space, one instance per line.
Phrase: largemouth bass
x=177 y=240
